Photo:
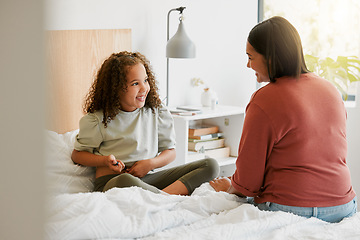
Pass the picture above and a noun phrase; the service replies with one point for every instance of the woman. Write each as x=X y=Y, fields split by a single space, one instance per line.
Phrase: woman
x=292 y=152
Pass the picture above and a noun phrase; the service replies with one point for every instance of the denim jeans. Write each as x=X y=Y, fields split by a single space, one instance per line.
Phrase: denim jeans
x=329 y=214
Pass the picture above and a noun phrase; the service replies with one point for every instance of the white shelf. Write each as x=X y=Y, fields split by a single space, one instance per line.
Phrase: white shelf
x=223 y=161
x=226 y=161
x=228 y=118
x=207 y=112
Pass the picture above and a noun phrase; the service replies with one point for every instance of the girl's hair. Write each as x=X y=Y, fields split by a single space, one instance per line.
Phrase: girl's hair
x=279 y=42
x=110 y=83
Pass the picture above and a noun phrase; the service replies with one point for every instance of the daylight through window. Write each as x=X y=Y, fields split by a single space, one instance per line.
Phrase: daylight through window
x=328 y=29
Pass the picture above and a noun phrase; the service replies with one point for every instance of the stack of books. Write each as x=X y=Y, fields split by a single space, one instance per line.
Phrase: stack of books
x=206 y=141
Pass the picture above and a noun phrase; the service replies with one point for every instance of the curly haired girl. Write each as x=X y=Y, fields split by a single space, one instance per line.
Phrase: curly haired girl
x=107 y=84
x=126 y=132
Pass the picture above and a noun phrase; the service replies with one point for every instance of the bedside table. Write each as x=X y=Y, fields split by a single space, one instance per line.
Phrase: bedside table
x=230 y=120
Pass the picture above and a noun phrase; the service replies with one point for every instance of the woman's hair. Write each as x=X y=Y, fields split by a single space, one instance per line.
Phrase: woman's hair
x=110 y=83
x=279 y=42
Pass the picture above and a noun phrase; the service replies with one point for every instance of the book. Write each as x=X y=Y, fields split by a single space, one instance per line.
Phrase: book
x=218 y=152
x=203 y=130
x=213 y=153
x=191 y=109
x=207 y=136
x=199 y=140
x=184 y=111
x=206 y=145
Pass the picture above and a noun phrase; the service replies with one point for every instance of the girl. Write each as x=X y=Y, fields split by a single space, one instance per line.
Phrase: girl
x=126 y=132
x=292 y=153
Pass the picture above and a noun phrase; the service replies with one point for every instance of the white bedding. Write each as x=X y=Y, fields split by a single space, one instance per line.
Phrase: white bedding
x=134 y=213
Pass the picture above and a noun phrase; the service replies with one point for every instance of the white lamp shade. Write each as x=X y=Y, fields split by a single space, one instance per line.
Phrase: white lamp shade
x=180 y=45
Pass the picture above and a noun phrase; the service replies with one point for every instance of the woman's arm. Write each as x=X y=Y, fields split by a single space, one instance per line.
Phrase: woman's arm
x=93 y=160
x=236 y=192
x=142 y=167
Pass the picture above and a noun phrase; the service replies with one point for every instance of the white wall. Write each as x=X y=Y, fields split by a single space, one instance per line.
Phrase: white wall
x=353 y=137
x=218 y=28
x=22 y=120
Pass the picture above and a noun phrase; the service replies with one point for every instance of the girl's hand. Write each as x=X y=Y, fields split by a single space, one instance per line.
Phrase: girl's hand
x=221 y=184
x=114 y=164
x=140 y=168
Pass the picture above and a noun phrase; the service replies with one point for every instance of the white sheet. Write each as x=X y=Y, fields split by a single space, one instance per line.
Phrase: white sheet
x=136 y=213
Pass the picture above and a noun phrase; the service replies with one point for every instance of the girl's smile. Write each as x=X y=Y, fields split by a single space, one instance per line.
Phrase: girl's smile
x=141 y=98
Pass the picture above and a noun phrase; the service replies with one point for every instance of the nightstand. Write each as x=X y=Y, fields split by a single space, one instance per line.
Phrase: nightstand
x=230 y=121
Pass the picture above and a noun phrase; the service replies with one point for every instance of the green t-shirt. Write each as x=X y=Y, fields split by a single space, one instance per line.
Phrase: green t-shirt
x=130 y=136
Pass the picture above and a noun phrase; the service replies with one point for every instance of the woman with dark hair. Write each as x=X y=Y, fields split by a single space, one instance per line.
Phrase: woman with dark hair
x=292 y=152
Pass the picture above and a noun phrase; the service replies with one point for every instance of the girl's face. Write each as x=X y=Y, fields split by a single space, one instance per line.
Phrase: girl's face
x=257 y=62
x=137 y=89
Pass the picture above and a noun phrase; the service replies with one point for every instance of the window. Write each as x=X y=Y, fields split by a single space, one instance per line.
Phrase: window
x=327 y=29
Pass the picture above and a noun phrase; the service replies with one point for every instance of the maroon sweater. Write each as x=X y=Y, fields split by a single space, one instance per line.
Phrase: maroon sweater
x=293 y=146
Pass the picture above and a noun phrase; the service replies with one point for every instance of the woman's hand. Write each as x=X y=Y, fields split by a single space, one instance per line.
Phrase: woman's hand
x=224 y=184
x=141 y=168
x=114 y=164
x=221 y=184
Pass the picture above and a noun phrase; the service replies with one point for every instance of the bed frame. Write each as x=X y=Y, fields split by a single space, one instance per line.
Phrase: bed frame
x=73 y=58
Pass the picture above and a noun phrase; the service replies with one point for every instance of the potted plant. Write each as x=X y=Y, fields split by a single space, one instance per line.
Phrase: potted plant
x=342 y=72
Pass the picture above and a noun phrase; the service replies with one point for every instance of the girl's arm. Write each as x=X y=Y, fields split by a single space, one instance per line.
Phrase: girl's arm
x=93 y=160
x=141 y=168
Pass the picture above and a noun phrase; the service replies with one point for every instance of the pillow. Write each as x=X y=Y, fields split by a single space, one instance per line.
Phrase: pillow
x=62 y=174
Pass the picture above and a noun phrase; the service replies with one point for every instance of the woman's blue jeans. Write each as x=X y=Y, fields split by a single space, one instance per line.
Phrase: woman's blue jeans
x=328 y=214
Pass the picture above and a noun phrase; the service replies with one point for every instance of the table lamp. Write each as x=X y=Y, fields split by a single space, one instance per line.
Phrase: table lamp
x=179 y=46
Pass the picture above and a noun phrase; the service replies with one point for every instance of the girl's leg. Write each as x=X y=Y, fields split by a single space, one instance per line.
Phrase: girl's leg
x=185 y=178
x=177 y=188
x=127 y=180
x=180 y=180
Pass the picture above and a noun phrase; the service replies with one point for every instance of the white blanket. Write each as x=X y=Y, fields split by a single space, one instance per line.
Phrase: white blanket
x=134 y=213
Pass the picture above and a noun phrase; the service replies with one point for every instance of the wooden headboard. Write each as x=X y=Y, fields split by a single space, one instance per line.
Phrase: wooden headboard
x=73 y=58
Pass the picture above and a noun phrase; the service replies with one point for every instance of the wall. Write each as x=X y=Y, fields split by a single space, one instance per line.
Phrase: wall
x=353 y=137
x=21 y=122
x=219 y=30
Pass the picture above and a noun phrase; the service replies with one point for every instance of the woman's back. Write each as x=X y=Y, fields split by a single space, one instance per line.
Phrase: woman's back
x=306 y=165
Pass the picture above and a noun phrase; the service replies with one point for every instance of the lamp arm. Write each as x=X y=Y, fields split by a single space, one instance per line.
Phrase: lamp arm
x=180 y=9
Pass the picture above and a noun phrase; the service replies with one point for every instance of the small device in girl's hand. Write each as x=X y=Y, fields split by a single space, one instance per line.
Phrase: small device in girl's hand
x=113 y=158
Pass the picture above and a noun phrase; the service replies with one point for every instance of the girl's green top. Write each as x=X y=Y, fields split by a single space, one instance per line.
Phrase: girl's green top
x=130 y=136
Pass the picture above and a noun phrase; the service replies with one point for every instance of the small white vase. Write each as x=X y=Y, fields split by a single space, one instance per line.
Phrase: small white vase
x=208 y=98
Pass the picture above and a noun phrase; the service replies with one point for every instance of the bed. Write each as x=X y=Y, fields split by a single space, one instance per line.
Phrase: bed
x=75 y=212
